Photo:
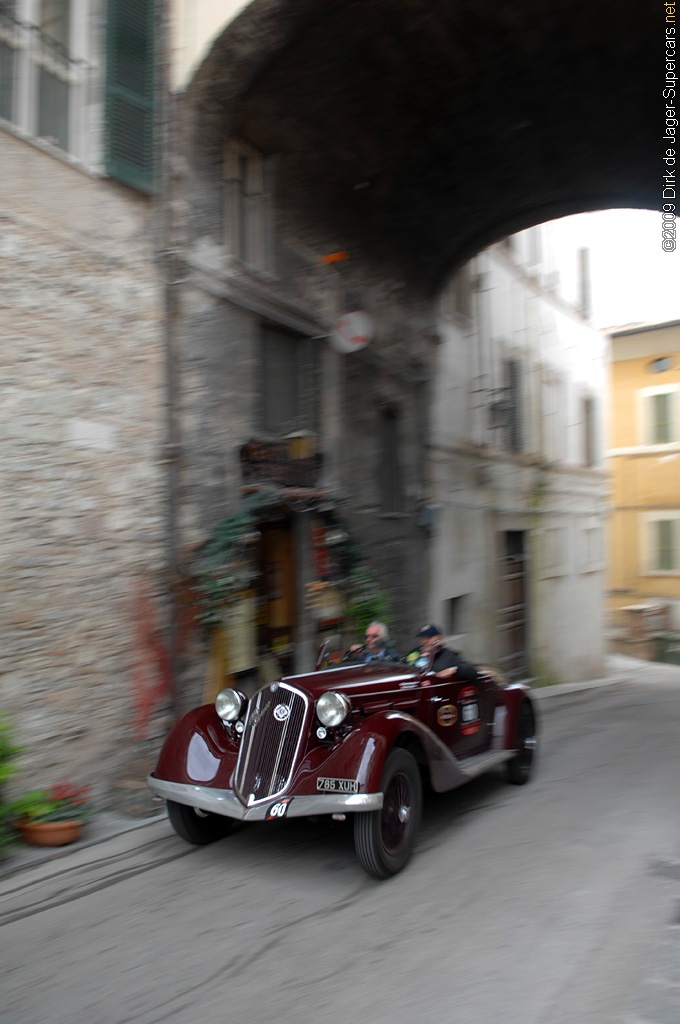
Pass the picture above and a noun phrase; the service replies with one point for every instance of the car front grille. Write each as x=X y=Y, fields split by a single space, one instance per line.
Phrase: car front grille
x=274 y=729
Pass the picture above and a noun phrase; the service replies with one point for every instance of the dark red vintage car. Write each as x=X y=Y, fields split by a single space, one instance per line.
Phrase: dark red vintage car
x=357 y=740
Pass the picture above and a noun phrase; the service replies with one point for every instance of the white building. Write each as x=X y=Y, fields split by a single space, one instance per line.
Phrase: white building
x=518 y=490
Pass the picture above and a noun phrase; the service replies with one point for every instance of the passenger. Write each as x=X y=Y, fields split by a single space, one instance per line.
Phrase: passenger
x=376 y=648
x=445 y=662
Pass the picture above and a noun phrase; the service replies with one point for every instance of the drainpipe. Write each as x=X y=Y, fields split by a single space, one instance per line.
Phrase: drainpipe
x=166 y=257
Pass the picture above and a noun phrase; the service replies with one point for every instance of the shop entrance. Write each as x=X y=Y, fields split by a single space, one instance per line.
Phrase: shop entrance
x=277 y=614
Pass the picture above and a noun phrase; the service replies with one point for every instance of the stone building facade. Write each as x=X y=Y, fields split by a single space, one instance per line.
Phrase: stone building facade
x=517 y=478
x=83 y=500
x=171 y=365
x=83 y=505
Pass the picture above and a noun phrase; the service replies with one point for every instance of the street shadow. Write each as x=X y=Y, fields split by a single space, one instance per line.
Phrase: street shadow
x=323 y=845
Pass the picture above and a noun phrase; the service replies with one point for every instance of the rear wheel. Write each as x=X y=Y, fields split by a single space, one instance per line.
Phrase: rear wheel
x=196 y=826
x=518 y=770
x=384 y=839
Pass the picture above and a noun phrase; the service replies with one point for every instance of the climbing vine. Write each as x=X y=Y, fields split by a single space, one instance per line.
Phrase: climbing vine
x=222 y=570
x=367 y=600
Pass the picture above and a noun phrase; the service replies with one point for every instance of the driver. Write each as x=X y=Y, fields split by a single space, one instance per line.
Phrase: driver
x=377 y=646
x=445 y=662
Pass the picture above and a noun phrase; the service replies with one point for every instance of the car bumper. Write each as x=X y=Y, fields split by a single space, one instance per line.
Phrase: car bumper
x=226 y=803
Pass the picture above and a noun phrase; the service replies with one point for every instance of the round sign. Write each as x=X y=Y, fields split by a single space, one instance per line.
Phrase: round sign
x=352 y=332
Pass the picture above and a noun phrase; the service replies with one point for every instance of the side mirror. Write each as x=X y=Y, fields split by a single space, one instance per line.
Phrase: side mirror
x=322 y=655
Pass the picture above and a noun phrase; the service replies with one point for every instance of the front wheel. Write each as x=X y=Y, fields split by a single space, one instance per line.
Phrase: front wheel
x=384 y=839
x=196 y=826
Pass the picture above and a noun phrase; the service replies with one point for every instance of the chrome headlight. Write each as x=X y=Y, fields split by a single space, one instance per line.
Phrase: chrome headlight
x=229 y=704
x=332 y=708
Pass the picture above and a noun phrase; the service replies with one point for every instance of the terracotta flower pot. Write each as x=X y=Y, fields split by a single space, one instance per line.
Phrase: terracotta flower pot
x=50 y=833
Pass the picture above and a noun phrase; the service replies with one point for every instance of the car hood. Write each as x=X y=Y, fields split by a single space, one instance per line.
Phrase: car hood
x=355 y=680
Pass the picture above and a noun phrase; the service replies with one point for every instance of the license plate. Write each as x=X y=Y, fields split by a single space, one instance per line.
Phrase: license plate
x=337 y=785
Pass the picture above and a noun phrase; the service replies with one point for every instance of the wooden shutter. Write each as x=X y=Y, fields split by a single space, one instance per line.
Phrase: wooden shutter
x=663 y=419
x=665 y=549
x=129 y=92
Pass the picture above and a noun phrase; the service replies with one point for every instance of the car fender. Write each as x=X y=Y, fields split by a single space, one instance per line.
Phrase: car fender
x=198 y=750
x=362 y=754
x=514 y=697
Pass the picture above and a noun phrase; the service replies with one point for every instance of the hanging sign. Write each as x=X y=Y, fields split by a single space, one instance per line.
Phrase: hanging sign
x=352 y=332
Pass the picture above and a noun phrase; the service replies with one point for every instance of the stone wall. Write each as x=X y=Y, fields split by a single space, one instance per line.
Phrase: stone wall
x=82 y=502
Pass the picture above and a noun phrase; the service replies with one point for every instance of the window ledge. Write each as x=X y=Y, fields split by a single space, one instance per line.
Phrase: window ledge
x=672 y=447
x=251 y=294
x=51 y=150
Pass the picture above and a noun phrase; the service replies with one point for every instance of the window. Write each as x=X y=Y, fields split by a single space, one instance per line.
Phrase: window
x=513 y=422
x=456 y=298
x=129 y=93
x=661 y=365
x=44 y=78
x=455 y=616
x=553 y=417
x=534 y=247
x=659 y=415
x=248 y=204
x=290 y=368
x=661 y=542
x=553 y=551
x=53 y=79
x=50 y=92
x=8 y=43
x=588 y=431
x=591 y=546
x=389 y=467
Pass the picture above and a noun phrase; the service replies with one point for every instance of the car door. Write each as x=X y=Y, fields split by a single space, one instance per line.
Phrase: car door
x=457 y=712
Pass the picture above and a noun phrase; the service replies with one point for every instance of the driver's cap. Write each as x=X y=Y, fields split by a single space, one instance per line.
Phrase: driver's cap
x=429 y=631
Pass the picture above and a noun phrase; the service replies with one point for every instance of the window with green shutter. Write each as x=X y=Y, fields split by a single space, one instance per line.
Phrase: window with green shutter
x=662 y=425
x=661 y=543
x=129 y=93
x=665 y=548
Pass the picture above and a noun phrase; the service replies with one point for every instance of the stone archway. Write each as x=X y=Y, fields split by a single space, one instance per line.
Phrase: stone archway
x=415 y=134
x=412 y=136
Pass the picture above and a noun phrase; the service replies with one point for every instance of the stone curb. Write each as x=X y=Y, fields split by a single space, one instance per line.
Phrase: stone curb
x=107 y=826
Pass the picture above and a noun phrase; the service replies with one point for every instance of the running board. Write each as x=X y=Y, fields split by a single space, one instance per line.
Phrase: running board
x=448 y=772
x=480 y=763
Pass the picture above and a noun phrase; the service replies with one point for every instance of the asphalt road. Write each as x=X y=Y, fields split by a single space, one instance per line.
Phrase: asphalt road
x=555 y=903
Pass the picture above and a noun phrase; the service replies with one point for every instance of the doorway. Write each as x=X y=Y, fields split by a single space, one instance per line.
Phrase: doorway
x=512 y=657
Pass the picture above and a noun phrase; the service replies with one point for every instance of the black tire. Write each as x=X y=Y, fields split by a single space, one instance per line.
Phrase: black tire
x=198 y=827
x=384 y=839
x=518 y=770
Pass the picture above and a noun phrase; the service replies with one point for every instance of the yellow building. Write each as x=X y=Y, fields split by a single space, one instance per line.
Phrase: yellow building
x=644 y=462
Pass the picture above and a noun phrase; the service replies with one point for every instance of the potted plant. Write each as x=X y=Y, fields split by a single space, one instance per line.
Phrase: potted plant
x=52 y=817
x=8 y=768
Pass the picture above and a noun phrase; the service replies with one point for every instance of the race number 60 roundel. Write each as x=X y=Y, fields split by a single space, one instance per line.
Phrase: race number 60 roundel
x=279 y=810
